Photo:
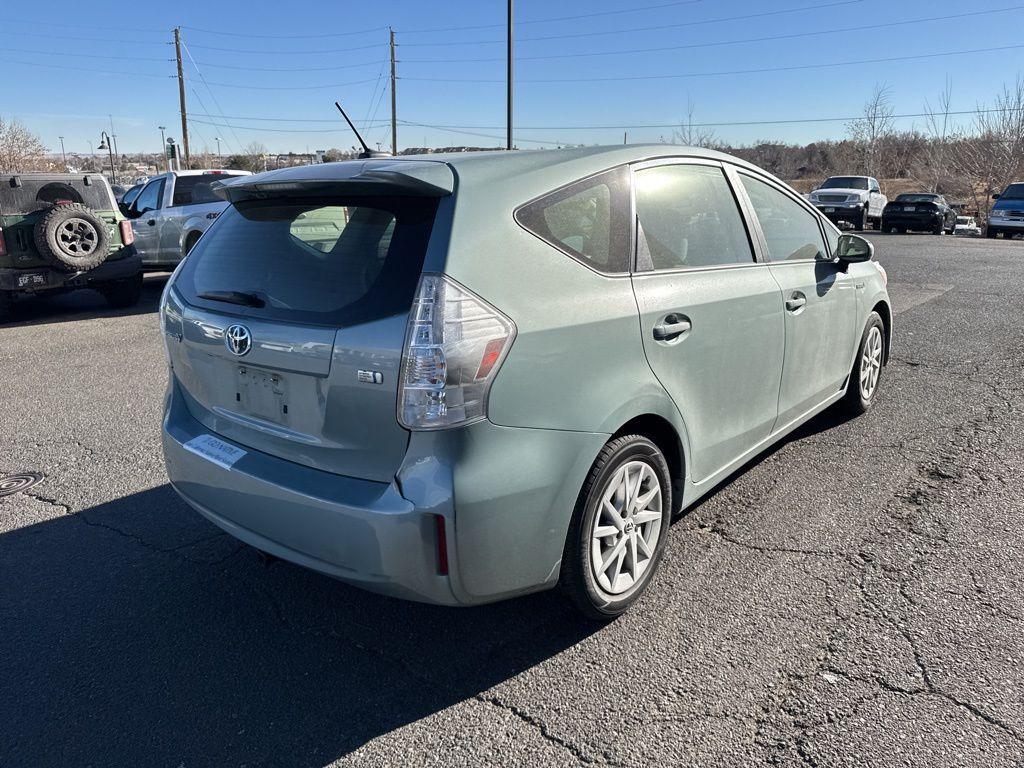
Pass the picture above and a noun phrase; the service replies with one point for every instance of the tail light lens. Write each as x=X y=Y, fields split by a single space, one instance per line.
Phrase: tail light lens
x=454 y=345
x=127 y=233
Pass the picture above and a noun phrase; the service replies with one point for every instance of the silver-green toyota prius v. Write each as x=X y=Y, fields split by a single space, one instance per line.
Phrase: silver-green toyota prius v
x=460 y=378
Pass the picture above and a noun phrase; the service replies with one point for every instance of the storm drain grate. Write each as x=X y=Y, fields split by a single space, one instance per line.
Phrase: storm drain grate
x=11 y=484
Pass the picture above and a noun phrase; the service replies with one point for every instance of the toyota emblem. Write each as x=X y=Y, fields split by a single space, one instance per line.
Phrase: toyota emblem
x=238 y=340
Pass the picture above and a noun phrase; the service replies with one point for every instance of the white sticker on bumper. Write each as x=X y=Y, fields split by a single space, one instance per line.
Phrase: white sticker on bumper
x=219 y=452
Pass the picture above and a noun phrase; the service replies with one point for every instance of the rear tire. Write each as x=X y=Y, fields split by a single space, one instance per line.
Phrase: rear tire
x=991 y=233
x=865 y=221
x=6 y=307
x=190 y=242
x=865 y=378
x=621 y=518
x=124 y=293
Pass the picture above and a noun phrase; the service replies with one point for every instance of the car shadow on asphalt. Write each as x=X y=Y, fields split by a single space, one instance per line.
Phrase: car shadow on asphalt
x=83 y=304
x=135 y=633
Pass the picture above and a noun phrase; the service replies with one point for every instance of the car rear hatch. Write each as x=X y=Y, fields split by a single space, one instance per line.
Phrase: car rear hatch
x=293 y=309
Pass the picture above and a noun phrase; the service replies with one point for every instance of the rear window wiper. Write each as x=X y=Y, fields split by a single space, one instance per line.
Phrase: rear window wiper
x=234 y=297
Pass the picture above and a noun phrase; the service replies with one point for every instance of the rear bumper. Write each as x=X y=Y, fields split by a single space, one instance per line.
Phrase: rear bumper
x=914 y=221
x=52 y=279
x=516 y=490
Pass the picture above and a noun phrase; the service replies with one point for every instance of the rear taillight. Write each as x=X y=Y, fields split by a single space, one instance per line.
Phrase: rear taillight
x=454 y=345
x=127 y=233
x=3 y=243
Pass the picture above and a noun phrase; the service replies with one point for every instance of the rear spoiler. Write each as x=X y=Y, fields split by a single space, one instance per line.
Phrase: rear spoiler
x=371 y=177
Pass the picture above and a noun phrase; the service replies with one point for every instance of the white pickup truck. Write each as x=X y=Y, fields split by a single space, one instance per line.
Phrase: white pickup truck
x=171 y=212
x=854 y=200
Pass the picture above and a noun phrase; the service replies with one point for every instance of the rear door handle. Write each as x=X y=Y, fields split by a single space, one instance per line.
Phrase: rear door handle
x=672 y=327
x=796 y=302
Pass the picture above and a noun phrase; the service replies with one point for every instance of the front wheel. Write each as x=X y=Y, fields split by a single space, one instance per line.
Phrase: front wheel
x=865 y=377
x=618 y=529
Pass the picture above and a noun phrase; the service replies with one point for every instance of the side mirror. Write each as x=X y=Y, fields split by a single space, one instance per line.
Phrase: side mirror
x=853 y=249
x=995 y=197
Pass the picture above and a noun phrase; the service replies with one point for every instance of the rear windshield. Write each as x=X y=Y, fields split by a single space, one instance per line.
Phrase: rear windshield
x=323 y=262
x=36 y=194
x=917 y=198
x=195 y=190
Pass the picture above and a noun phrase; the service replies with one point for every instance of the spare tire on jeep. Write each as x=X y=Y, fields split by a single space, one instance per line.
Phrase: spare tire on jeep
x=72 y=237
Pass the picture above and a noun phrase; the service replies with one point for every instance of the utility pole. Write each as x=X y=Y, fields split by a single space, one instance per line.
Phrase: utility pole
x=394 y=79
x=163 y=147
x=508 y=141
x=181 y=95
x=63 y=154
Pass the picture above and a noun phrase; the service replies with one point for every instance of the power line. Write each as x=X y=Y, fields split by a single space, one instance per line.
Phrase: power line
x=284 y=37
x=292 y=87
x=209 y=90
x=88 y=55
x=758 y=70
x=288 y=69
x=265 y=52
x=657 y=27
x=769 y=38
x=84 y=69
x=550 y=19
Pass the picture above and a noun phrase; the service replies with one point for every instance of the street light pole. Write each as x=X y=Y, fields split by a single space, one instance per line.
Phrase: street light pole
x=163 y=147
x=63 y=154
x=218 y=146
x=107 y=144
x=508 y=139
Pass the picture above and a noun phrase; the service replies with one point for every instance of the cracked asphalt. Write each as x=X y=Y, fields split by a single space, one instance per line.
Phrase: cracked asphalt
x=853 y=597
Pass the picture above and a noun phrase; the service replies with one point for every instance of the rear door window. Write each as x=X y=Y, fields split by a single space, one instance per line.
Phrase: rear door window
x=688 y=218
x=326 y=262
x=196 y=190
x=790 y=230
x=589 y=220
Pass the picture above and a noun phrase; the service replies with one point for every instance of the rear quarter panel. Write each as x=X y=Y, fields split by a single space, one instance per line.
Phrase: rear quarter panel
x=577 y=362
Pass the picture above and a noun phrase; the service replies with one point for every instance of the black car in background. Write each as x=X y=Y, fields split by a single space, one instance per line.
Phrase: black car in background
x=919 y=212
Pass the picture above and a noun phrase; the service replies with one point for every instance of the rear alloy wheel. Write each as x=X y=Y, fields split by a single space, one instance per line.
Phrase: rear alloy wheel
x=867 y=368
x=619 y=528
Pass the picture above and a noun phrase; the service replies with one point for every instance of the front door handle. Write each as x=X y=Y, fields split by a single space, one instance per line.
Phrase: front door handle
x=796 y=302
x=672 y=327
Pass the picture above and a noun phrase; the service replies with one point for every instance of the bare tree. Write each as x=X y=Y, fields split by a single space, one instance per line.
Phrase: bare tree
x=873 y=126
x=693 y=135
x=20 y=149
x=938 y=131
x=994 y=156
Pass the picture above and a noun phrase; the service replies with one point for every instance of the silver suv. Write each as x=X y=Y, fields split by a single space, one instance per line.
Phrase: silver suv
x=460 y=378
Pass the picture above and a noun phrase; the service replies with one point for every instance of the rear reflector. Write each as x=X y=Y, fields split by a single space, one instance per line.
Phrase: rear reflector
x=3 y=244
x=127 y=233
x=442 y=546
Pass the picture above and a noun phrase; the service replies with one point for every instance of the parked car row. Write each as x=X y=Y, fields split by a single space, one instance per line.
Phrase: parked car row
x=858 y=202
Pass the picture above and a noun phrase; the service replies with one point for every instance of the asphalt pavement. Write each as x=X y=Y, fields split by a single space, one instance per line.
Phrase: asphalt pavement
x=855 y=597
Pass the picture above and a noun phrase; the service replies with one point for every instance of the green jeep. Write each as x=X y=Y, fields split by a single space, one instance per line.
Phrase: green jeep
x=60 y=232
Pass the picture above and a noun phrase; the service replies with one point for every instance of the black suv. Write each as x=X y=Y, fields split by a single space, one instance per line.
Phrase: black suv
x=60 y=232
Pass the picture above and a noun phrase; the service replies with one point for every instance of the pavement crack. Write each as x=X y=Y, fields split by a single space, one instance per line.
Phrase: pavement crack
x=542 y=727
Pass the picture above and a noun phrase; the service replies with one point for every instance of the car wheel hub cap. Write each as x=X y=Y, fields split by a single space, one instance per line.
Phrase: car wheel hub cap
x=626 y=528
x=871 y=363
x=78 y=237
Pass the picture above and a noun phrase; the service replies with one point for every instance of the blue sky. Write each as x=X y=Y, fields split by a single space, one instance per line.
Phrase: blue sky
x=445 y=48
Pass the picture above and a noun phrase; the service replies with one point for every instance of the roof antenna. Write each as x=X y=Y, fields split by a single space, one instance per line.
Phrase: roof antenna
x=367 y=153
